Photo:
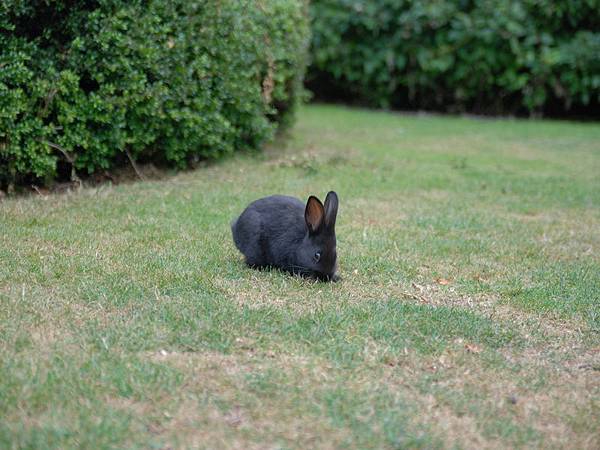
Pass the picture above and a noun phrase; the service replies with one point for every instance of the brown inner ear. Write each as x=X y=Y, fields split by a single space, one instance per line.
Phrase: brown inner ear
x=314 y=214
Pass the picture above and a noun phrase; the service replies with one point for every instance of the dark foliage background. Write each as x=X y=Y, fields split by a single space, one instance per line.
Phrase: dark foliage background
x=485 y=56
x=85 y=82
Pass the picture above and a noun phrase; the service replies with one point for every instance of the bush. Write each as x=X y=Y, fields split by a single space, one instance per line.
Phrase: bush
x=87 y=82
x=483 y=56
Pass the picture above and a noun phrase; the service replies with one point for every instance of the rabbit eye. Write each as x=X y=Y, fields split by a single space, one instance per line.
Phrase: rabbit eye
x=317 y=256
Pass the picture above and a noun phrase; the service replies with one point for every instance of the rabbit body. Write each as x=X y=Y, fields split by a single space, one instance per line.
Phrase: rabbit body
x=280 y=231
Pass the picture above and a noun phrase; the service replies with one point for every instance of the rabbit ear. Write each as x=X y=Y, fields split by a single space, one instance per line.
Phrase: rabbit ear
x=314 y=214
x=331 y=208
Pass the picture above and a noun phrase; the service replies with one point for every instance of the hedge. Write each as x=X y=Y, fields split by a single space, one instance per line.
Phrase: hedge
x=86 y=83
x=488 y=56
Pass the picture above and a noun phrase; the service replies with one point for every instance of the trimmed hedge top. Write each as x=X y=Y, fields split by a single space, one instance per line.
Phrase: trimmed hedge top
x=489 y=56
x=86 y=82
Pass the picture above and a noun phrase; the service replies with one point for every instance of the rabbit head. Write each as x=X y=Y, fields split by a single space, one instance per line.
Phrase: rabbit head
x=317 y=253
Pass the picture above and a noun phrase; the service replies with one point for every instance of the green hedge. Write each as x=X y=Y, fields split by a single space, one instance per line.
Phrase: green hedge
x=86 y=82
x=490 y=56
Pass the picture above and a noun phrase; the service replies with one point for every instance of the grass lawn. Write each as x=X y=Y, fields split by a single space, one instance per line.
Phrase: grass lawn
x=468 y=314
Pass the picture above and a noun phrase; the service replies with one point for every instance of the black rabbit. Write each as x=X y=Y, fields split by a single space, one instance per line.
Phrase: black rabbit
x=282 y=232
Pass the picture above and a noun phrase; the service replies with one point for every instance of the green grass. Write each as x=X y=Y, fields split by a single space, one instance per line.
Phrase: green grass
x=468 y=315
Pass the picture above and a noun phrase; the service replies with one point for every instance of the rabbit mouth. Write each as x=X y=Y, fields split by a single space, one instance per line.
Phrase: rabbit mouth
x=332 y=276
x=320 y=276
x=326 y=277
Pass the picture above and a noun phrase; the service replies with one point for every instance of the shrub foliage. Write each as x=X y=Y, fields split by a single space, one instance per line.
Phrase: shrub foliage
x=89 y=81
x=484 y=56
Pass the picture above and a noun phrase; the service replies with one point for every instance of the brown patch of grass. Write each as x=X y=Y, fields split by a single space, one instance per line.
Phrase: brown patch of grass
x=565 y=234
x=467 y=398
x=463 y=400
x=217 y=412
x=387 y=213
x=372 y=214
x=136 y=408
x=258 y=291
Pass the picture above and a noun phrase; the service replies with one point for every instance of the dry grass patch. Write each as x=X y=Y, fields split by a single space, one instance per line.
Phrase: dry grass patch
x=534 y=400
x=452 y=394
x=564 y=234
x=214 y=412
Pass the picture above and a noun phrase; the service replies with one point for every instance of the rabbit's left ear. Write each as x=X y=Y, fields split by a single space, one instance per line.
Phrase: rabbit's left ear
x=314 y=214
x=331 y=209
